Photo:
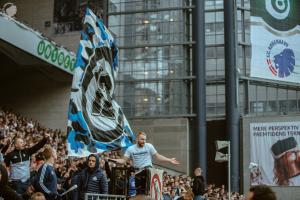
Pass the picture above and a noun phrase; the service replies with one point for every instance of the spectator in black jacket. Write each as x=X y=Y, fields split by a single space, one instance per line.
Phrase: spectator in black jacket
x=91 y=179
x=19 y=162
x=198 y=184
x=75 y=179
x=5 y=191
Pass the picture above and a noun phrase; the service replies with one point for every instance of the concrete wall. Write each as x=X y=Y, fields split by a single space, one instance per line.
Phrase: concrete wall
x=281 y=192
x=37 y=95
x=169 y=136
x=36 y=12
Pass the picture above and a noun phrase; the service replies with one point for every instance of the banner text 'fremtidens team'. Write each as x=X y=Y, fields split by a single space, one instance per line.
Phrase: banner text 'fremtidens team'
x=282 y=130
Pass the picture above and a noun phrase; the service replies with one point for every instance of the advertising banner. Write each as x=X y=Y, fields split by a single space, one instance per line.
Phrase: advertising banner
x=275 y=153
x=275 y=40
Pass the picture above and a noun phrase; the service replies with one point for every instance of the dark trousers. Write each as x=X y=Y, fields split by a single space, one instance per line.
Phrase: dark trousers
x=19 y=186
x=141 y=182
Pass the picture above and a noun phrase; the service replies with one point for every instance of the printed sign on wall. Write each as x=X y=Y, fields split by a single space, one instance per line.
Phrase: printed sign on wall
x=275 y=153
x=275 y=39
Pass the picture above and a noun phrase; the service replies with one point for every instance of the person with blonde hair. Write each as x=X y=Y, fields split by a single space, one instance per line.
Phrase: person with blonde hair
x=46 y=178
x=38 y=196
x=188 y=195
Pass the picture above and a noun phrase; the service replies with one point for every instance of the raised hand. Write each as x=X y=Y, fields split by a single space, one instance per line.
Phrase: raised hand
x=174 y=161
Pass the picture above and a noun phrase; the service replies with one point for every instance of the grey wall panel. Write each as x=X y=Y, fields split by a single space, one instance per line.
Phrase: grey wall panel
x=170 y=138
x=38 y=96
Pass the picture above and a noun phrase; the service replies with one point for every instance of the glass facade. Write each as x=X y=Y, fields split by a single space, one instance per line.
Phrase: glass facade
x=68 y=14
x=154 y=53
x=155 y=77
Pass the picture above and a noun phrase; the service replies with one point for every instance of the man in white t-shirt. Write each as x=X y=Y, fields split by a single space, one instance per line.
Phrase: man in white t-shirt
x=141 y=155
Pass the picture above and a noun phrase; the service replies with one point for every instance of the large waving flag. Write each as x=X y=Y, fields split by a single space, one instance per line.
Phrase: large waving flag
x=96 y=122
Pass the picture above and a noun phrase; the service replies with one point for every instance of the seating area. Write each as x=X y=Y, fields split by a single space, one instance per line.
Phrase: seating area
x=13 y=125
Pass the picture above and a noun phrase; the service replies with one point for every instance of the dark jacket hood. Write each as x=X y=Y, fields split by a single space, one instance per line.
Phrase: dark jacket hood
x=88 y=172
x=97 y=161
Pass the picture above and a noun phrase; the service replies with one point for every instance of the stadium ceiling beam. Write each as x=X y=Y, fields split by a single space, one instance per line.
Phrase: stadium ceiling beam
x=188 y=115
x=222 y=10
x=188 y=43
x=167 y=79
x=267 y=82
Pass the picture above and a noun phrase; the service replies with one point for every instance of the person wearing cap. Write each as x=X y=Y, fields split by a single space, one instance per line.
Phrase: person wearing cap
x=286 y=156
x=91 y=179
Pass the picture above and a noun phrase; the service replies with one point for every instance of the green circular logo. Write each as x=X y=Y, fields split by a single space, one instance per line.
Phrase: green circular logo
x=51 y=53
x=73 y=62
x=54 y=55
x=61 y=58
x=41 y=47
x=67 y=61
x=48 y=51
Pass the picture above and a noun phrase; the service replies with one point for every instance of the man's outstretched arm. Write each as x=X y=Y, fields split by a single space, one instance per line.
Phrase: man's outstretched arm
x=165 y=159
x=120 y=160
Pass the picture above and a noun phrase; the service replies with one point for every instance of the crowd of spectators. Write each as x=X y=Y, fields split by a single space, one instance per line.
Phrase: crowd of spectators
x=175 y=186
x=14 y=125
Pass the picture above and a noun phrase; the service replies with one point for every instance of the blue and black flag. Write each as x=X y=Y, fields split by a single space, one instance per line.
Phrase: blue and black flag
x=96 y=122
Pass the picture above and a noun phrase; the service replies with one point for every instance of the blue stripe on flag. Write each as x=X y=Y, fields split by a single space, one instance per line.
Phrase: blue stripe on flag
x=79 y=60
x=96 y=122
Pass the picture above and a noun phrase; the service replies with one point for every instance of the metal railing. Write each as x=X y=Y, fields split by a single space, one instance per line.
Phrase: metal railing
x=94 y=196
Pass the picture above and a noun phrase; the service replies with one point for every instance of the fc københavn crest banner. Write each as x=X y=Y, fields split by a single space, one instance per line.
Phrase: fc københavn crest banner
x=96 y=122
x=275 y=38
